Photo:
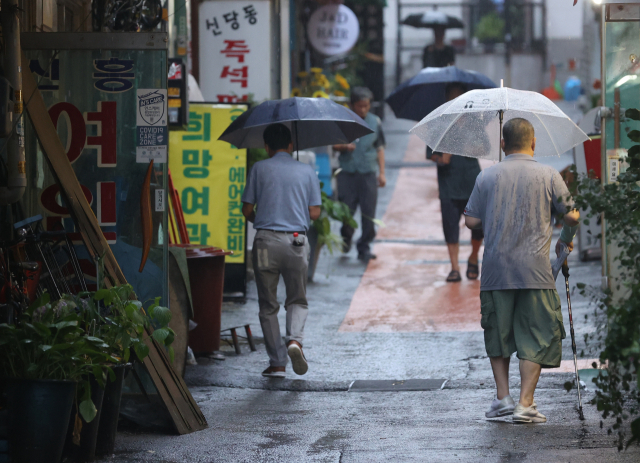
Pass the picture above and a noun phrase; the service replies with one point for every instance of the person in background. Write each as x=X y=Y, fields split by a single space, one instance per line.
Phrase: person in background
x=456 y=177
x=287 y=196
x=438 y=55
x=362 y=164
x=515 y=202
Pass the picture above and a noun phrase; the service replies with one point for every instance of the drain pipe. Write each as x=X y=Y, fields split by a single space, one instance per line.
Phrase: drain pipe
x=16 y=164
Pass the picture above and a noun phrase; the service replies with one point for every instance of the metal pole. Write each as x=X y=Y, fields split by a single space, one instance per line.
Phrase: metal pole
x=16 y=176
x=603 y=154
x=399 y=46
x=507 y=41
x=295 y=128
x=565 y=272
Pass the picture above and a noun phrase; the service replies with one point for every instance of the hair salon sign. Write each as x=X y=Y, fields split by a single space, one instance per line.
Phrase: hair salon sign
x=333 y=29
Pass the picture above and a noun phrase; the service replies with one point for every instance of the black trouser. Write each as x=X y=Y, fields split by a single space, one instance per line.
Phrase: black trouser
x=452 y=210
x=355 y=189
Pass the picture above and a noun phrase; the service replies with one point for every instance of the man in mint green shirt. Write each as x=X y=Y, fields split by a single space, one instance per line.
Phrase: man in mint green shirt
x=362 y=164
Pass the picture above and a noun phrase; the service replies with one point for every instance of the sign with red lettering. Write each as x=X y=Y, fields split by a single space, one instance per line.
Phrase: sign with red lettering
x=235 y=52
x=110 y=110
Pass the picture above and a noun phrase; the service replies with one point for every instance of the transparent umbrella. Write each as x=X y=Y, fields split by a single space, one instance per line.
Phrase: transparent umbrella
x=471 y=125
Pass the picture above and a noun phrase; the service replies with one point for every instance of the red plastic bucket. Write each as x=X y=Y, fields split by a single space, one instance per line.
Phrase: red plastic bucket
x=593 y=155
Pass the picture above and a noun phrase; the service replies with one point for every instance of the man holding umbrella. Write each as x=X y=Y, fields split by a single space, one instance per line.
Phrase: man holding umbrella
x=456 y=177
x=281 y=198
x=514 y=203
x=287 y=196
x=437 y=54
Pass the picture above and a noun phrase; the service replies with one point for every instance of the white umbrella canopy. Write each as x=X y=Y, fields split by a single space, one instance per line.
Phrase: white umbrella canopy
x=470 y=124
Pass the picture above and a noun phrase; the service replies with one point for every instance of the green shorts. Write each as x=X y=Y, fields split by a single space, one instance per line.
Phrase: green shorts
x=526 y=321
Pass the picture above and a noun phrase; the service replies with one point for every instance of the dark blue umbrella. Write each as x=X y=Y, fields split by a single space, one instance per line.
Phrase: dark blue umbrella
x=418 y=96
x=312 y=121
x=432 y=19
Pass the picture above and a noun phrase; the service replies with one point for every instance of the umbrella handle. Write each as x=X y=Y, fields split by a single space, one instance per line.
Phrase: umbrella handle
x=295 y=125
x=500 y=142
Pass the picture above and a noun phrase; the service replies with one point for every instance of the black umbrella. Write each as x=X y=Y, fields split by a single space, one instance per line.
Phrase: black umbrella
x=312 y=121
x=418 y=96
x=431 y=19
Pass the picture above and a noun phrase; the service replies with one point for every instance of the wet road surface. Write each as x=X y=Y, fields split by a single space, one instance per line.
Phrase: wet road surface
x=394 y=319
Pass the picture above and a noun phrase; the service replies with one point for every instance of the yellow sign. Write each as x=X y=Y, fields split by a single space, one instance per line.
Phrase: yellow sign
x=210 y=177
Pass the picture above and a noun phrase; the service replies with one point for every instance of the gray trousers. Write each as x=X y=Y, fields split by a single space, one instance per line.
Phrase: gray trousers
x=273 y=255
x=356 y=189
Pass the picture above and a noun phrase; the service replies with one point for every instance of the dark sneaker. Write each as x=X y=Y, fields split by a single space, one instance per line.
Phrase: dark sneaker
x=366 y=256
x=274 y=372
x=298 y=361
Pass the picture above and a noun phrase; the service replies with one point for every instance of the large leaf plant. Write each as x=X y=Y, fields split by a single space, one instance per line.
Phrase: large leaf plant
x=49 y=342
x=618 y=311
x=335 y=210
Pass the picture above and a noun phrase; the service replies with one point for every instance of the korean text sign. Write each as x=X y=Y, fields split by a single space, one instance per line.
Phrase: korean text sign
x=235 y=51
x=92 y=97
x=210 y=176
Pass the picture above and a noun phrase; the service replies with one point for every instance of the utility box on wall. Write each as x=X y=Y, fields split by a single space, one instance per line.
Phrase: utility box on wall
x=178 y=95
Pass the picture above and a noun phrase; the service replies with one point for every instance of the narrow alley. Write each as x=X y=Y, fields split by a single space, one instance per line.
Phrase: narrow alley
x=395 y=319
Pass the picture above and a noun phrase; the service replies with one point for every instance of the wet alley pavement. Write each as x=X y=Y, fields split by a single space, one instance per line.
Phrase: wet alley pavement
x=394 y=319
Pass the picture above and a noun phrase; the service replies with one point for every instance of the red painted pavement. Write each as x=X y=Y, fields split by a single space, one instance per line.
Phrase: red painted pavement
x=405 y=289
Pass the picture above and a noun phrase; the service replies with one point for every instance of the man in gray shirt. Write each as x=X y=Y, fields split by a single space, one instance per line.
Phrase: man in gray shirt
x=287 y=195
x=514 y=202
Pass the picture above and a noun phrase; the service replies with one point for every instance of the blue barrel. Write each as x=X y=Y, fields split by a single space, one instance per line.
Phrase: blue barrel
x=323 y=169
x=572 y=89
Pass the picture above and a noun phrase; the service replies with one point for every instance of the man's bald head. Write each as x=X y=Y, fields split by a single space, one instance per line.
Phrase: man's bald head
x=517 y=135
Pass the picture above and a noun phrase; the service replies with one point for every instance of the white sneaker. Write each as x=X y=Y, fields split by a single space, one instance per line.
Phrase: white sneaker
x=501 y=407
x=528 y=414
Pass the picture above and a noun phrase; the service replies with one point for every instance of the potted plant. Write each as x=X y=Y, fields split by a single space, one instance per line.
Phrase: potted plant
x=116 y=317
x=490 y=30
x=320 y=233
x=44 y=358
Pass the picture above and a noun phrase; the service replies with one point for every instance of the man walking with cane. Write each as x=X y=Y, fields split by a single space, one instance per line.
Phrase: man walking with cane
x=514 y=203
x=287 y=196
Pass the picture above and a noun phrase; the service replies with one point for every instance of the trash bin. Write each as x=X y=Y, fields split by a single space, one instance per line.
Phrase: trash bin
x=206 y=275
x=587 y=158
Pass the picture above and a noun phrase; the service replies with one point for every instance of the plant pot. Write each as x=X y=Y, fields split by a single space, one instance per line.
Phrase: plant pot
x=86 y=451
x=39 y=413
x=110 y=413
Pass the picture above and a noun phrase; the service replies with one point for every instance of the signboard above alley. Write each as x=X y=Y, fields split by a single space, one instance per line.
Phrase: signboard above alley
x=235 y=51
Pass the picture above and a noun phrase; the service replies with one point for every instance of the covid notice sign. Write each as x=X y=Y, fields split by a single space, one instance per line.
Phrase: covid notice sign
x=210 y=176
x=151 y=121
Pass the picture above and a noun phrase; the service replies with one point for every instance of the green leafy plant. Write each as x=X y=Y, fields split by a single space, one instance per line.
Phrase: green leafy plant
x=49 y=342
x=335 y=210
x=490 y=28
x=254 y=155
x=119 y=319
x=618 y=312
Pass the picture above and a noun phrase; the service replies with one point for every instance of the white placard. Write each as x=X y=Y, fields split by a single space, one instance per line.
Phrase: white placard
x=333 y=29
x=151 y=121
x=235 y=50
x=159 y=203
x=614 y=169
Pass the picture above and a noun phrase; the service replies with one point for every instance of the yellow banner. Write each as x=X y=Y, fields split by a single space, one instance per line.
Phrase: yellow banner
x=210 y=177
